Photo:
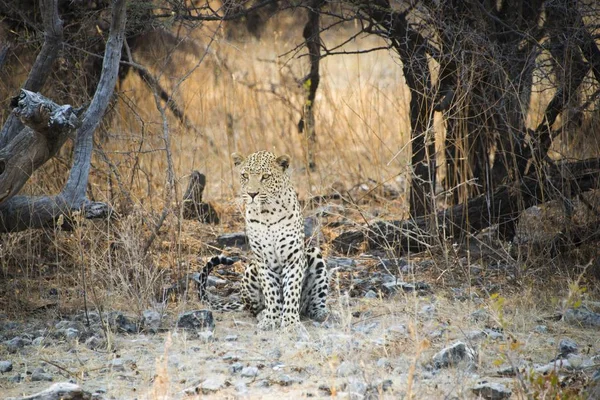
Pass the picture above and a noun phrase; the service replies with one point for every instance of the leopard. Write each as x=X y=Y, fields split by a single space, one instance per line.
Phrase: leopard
x=284 y=280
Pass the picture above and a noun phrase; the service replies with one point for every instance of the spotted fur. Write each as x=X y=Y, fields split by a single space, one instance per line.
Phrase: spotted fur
x=284 y=280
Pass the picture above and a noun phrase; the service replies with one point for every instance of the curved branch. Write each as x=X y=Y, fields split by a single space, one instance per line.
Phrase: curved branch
x=74 y=190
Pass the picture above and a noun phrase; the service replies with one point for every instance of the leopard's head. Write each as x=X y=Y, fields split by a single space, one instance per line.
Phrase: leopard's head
x=262 y=176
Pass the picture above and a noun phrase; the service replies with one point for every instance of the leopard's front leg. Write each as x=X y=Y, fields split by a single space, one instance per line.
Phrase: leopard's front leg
x=270 y=283
x=293 y=276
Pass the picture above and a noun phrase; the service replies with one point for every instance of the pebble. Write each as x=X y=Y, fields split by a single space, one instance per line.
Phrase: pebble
x=39 y=374
x=541 y=329
x=356 y=388
x=567 y=346
x=347 y=368
x=5 y=366
x=371 y=294
x=206 y=336
x=453 y=354
x=236 y=367
x=213 y=384
x=231 y=338
x=249 y=372
x=263 y=383
x=196 y=319
x=13 y=345
x=151 y=321
x=491 y=391
x=396 y=332
x=479 y=315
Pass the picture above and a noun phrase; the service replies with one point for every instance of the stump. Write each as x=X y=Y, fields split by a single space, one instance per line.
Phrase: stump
x=193 y=206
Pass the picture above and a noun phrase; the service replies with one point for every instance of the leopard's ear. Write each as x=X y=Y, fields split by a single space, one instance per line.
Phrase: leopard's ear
x=283 y=161
x=237 y=159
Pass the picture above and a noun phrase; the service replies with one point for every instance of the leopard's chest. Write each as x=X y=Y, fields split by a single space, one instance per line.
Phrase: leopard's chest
x=274 y=233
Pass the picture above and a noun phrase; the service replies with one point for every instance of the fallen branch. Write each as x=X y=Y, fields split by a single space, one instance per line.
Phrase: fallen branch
x=502 y=208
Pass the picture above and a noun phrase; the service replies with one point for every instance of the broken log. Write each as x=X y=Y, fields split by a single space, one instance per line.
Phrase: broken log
x=193 y=206
x=47 y=127
x=563 y=179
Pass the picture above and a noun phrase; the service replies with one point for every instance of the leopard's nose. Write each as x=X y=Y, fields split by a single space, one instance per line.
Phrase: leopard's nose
x=252 y=195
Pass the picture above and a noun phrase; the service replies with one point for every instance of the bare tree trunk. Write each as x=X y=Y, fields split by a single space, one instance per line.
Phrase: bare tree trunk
x=311 y=34
x=53 y=34
x=412 y=50
x=23 y=212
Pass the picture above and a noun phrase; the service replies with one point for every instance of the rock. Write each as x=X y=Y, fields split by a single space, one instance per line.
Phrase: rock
x=393 y=265
x=347 y=368
x=454 y=354
x=479 y=315
x=241 y=387
x=94 y=343
x=382 y=385
x=197 y=319
x=118 y=365
x=383 y=363
x=427 y=310
x=249 y=372
x=236 y=367
x=38 y=341
x=356 y=388
x=61 y=391
x=348 y=242
x=542 y=329
x=396 y=332
x=263 y=383
x=231 y=338
x=16 y=379
x=151 y=321
x=365 y=328
x=70 y=333
x=341 y=263
x=237 y=239
x=39 y=374
x=213 y=384
x=486 y=333
x=583 y=317
x=5 y=366
x=121 y=323
x=13 y=345
x=206 y=336
x=566 y=346
x=493 y=334
x=286 y=380
x=492 y=391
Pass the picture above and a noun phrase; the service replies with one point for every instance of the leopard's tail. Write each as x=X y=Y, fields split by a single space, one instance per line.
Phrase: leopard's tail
x=215 y=302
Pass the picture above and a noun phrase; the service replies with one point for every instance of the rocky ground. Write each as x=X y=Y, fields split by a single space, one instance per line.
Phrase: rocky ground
x=386 y=338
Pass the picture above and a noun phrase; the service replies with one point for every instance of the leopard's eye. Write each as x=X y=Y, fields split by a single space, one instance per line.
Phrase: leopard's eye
x=244 y=176
x=266 y=176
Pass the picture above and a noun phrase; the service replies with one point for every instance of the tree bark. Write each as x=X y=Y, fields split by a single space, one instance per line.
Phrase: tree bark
x=22 y=212
x=53 y=36
x=412 y=50
x=47 y=127
x=311 y=34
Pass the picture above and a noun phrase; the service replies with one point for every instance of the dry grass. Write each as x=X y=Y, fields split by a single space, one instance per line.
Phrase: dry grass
x=363 y=132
